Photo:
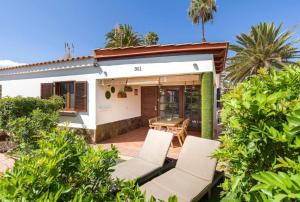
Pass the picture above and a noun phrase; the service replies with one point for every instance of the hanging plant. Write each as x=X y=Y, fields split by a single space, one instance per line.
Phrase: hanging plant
x=128 y=89
x=122 y=94
x=113 y=89
x=107 y=94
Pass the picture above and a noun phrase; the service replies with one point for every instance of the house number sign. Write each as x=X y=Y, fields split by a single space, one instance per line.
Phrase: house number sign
x=137 y=68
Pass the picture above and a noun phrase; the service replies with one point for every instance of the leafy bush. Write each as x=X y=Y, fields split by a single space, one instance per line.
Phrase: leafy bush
x=65 y=168
x=15 y=107
x=26 y=129
x=24 y=118
x=261 y=130
x=276 y=186
x=279 y=186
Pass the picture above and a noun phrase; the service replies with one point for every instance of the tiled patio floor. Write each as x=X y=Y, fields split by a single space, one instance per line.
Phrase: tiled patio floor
x=129 y=144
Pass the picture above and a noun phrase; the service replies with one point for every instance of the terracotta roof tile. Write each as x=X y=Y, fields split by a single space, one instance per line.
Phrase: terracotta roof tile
x=47 y=62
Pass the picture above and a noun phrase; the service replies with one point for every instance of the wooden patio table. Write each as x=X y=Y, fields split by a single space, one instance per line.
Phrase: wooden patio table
x=164 y=122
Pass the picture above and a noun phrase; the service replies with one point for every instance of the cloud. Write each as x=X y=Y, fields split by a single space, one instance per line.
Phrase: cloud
x=9 y=63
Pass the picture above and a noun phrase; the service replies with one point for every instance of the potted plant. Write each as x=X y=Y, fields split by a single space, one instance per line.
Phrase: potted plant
x=113 y=89
x=122 y=94
x=128 y=89
x=107 y=94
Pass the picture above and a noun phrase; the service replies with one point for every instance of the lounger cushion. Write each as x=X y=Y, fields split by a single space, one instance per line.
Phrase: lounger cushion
x=176 y=182
x=152 y=156
x=156 y=147
x=194 y=157
x=133 y=169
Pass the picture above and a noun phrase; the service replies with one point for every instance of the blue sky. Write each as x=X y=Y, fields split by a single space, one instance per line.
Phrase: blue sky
x=35 y=30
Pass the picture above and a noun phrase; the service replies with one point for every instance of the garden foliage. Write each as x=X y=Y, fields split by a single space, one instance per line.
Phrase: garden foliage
x=56 y=164
x=261 y=138
x=24 y=118
x=65 y=168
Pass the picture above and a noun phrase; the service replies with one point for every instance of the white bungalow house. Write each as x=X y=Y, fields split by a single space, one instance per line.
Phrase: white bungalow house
x=117 y=90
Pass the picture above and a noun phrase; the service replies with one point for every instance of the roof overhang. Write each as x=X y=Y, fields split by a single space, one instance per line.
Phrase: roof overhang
x=218 y=50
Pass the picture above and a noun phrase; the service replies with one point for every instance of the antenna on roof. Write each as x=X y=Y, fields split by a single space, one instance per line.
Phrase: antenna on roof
x=69 y=50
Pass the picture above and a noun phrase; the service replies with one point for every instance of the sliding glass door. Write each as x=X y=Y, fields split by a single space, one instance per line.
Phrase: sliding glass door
x=181 y=102
x=169 y=102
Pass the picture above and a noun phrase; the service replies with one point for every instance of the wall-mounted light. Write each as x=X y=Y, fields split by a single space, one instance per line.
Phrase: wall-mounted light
x=96 y=65
x=196 y=67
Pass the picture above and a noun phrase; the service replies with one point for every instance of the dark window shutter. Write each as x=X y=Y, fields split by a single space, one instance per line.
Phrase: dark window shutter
x=0 y=91
x=46 y=90
x=81 y=96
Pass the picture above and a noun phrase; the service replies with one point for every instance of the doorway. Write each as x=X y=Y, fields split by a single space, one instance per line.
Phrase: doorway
x=172 y=102
x=149 y=109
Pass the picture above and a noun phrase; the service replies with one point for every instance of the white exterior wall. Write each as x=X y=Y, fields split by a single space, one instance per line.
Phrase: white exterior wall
x=29 y=85
x=26 y=82
x=157 y=66
x=116 y=109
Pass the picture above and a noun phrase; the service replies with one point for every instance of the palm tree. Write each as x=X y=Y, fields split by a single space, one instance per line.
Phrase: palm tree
x=265 y=46
x=122 y=36
x=151 y=38
x=202 y=10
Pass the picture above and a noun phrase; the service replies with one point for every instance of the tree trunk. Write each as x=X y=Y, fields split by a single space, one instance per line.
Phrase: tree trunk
x=203 y=31
x=207 y=105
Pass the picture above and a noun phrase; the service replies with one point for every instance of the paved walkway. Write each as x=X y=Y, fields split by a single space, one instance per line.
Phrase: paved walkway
x=5 y=162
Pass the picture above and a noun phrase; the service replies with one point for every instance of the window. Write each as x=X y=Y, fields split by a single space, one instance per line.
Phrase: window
x=74 y=94
x=66 y=91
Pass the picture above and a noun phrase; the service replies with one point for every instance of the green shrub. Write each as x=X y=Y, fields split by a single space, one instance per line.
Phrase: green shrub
x=15 y=107
x=259 y=130
x=24 y=118
x=65 y=168
x=27 y=128
x=278 y=186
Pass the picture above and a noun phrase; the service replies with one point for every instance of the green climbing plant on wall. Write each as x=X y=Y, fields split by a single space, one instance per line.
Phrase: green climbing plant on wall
x=207 y=103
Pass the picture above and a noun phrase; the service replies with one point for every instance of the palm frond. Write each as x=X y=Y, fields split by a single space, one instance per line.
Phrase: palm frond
x=265 y=46
x=123 y=36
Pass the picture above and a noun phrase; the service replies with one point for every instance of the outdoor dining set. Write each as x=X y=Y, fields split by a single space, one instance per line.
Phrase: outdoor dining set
x=177 y=126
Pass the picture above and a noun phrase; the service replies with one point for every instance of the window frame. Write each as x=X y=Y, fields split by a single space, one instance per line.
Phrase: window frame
x=68 y=100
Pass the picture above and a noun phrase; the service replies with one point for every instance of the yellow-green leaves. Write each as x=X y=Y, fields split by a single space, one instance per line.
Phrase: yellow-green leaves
x=278 y=186
x=65 y=168
x=261 y=118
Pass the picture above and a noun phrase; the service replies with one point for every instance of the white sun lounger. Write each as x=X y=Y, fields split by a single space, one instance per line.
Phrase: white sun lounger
x=192 y=176
x=151 y=158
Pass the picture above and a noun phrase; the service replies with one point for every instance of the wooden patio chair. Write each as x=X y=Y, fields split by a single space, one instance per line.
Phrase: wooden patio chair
x=152 y=120
x=180 y=132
